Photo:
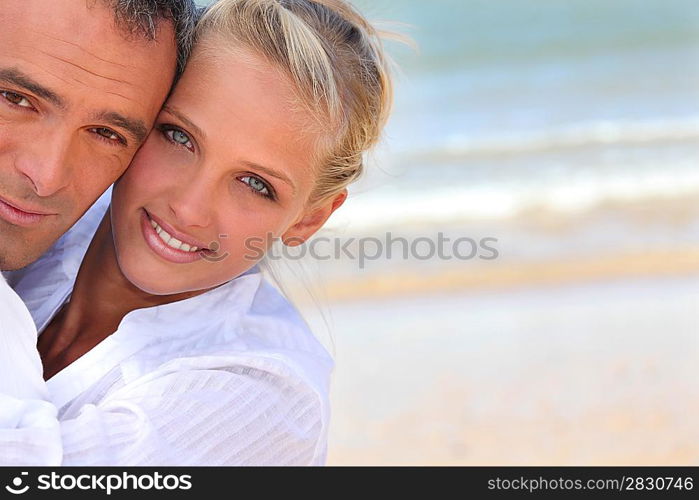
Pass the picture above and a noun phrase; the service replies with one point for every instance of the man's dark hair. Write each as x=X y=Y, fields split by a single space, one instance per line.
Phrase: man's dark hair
x=141 y=18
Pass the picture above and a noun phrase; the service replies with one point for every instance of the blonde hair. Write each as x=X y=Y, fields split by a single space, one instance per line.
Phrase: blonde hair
x=336 y=62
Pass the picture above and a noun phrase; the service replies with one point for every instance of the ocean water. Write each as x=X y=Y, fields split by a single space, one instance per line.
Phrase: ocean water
x=509 y=105
x=518 y=104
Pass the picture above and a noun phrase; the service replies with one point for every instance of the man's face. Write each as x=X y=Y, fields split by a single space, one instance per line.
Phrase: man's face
x=77 y=98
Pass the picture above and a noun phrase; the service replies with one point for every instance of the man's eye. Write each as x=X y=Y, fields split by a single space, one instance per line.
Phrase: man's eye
x=108 y=135
x=16 y=99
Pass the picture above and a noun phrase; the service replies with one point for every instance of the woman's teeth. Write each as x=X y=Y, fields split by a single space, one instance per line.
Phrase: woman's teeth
x=170 y=241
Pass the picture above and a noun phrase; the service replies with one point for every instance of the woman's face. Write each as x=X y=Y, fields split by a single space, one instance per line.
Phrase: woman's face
x=228 y=165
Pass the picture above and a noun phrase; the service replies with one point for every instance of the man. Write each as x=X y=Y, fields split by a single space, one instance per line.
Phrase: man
x=81 y=82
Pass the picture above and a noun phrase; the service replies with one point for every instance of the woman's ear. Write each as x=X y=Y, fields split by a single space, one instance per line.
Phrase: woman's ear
x=313 y=220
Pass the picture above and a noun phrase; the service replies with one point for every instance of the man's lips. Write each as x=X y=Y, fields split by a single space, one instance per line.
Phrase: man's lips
x=26 y=208
x=20 y=214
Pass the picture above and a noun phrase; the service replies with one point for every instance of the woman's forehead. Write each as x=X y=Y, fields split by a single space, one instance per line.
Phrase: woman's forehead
x=246 y=109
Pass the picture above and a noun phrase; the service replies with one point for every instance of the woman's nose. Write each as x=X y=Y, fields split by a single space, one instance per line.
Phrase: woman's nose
x=192 y=205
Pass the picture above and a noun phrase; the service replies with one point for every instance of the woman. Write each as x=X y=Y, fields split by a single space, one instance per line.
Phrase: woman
x=160 y=341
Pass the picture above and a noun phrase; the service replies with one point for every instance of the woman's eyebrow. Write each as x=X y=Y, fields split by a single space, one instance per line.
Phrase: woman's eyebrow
x=255 y=166
x=272 y=172
x=180 y=116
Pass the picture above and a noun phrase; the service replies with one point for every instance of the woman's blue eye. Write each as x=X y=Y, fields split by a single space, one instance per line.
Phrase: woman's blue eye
x=257 y=185
x=179 y=137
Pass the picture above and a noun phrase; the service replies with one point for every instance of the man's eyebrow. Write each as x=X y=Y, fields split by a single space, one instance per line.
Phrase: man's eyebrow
x=180 y=116
x=134 y=126
x=16 y=77
x=271 y=172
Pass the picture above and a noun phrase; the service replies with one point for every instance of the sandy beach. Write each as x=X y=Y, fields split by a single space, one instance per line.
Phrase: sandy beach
x=582 y=354
x=600 y=373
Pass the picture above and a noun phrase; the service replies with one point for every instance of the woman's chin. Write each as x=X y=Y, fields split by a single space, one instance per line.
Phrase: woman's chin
x=158 y=279
x=151 y=281
x=153 y=287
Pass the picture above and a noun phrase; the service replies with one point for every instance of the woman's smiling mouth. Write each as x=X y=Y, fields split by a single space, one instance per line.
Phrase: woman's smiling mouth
x=171 y=240
x=162 y=240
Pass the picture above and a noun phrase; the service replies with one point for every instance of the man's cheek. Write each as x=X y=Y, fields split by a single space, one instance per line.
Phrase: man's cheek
x=7 y=143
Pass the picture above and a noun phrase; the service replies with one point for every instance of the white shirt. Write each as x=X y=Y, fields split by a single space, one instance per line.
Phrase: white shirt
x=230 y=377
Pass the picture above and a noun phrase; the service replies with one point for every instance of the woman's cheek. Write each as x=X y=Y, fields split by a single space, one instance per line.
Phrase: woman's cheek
x=149 y=172
x=245 y=247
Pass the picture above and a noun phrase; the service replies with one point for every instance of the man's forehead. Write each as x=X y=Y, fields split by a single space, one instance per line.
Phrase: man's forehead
x=79 y=43
x=86 y=26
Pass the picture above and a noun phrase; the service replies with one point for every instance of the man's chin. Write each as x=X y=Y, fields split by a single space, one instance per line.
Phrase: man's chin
x=14 y=259
x=14 y=264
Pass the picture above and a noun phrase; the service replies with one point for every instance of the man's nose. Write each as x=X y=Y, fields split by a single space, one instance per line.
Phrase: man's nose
x=46 y=163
